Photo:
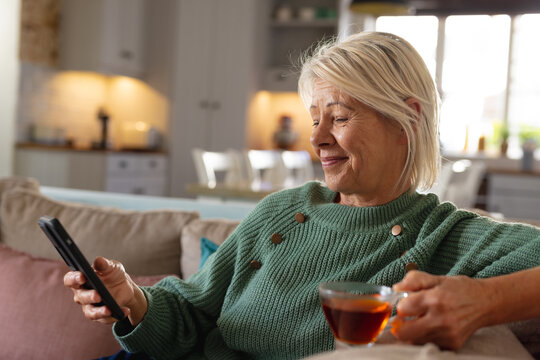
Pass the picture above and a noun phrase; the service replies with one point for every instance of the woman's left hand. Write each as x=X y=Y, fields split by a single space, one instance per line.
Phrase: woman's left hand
x=445 y=310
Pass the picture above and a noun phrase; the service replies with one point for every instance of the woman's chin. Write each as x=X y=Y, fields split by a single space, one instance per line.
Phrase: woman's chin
x=333 y=184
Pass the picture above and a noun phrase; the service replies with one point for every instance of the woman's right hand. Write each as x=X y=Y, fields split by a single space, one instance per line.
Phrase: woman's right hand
x=126 y=293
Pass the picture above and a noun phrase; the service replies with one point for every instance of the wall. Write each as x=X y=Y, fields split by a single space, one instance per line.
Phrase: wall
x=9 y=73
x=160 y=51
x=265 y=110
x=69 y=101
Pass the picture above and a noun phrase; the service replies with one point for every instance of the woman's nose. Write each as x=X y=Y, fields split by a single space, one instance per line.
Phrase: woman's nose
x=321 y=135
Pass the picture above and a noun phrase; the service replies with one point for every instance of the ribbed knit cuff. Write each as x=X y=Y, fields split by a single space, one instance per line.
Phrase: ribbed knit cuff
x=129 y=336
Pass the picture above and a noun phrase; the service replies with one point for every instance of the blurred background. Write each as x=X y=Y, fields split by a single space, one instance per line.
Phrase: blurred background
x=115 y=95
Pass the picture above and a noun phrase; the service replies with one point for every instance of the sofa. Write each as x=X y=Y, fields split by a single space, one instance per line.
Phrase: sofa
x=153 y=237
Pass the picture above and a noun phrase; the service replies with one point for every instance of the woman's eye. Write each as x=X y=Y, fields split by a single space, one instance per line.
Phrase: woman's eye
x=315 y=123
x=341 y=119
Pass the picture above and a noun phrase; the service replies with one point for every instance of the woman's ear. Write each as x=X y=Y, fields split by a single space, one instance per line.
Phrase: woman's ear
x=416 y=106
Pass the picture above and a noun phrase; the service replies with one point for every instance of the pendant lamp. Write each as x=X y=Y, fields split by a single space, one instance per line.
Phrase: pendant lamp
x=381 y=7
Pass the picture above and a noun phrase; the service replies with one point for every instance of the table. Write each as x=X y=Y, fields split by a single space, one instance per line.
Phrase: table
x=225 y=192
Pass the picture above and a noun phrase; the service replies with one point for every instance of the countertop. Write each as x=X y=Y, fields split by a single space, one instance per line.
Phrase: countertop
x=47 y=147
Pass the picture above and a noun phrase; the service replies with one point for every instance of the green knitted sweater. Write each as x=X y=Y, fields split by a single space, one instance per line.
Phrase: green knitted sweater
x=235 y=308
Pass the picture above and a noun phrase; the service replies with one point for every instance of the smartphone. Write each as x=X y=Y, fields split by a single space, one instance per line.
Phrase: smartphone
x=73 y=257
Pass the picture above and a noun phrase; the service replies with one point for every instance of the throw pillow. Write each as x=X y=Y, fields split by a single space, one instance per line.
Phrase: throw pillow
x=207 y=249
x=145 y=242
x=216 y=229
x=12 y=182
x=39 y=316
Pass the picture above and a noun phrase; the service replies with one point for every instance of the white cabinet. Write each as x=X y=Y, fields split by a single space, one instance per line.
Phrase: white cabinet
x=288 y=37
x=215 y=74
x=62 y=168
x=515 y=196
x=134 y=173
x=105 y=36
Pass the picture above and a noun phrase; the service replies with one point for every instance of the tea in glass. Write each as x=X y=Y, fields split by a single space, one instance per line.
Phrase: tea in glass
x=357 y=312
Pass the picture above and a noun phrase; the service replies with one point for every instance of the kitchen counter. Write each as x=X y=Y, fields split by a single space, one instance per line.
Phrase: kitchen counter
x=38 y=146
x=497 y=164
x=134 y=171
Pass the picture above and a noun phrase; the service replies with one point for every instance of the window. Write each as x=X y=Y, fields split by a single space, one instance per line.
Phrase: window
x=524 y=100
x=474 y=74
x=487 y=73
x=420 y=31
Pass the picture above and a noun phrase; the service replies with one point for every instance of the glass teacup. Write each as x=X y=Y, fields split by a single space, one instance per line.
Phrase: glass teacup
x=357 y=312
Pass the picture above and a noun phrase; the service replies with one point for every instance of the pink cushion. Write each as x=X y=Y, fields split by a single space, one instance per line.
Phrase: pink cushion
x=38 y=316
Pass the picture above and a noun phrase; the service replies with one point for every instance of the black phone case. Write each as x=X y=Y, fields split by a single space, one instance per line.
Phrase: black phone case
x=73 y=257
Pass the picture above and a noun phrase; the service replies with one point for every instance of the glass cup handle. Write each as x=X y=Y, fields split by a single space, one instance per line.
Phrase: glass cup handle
x=399 y=295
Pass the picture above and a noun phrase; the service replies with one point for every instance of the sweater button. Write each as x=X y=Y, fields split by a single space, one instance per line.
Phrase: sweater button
x=276 y=238
x=255 y=264
x=299 y=217
x=411 y=266
x=396 y=230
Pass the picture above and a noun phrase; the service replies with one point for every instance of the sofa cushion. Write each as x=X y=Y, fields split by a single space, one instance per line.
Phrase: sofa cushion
x=40 y=319
x=215 y=230
x=8 y=183
x=146 y=242
x=528 y=332
x=12 y=182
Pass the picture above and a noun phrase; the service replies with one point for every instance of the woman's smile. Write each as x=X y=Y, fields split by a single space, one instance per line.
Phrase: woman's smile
x=328 y=161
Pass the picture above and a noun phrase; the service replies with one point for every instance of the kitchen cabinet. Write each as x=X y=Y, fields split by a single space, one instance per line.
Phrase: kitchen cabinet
x=292 y=28
x=215 y=75
x=104 y=36
x=143 y=174
x=122 y=172
x=515 y=195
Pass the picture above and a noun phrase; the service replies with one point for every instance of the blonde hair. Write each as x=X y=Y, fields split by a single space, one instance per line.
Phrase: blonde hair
x=382 y=71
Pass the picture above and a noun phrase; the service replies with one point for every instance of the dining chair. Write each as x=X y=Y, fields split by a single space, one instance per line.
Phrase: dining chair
x=441 y=184
x=265 y=169
x=298 y=167
x=460 y=181
x=218 y=167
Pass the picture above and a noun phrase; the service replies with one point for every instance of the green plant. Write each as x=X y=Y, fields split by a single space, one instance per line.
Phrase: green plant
x=501 y=133
x=505 y=132
x=529 y=133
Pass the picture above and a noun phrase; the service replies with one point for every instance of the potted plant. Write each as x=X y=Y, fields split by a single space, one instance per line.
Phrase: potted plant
x=529 y=138
x=505 y=134
x=499 y=138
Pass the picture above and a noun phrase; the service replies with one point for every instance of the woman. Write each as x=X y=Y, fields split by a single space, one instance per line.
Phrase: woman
x=374 y=110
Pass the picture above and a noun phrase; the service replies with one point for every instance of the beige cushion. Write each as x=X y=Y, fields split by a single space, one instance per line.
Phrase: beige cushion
x=7 y=183
x=215 y=230
x=146 y=242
